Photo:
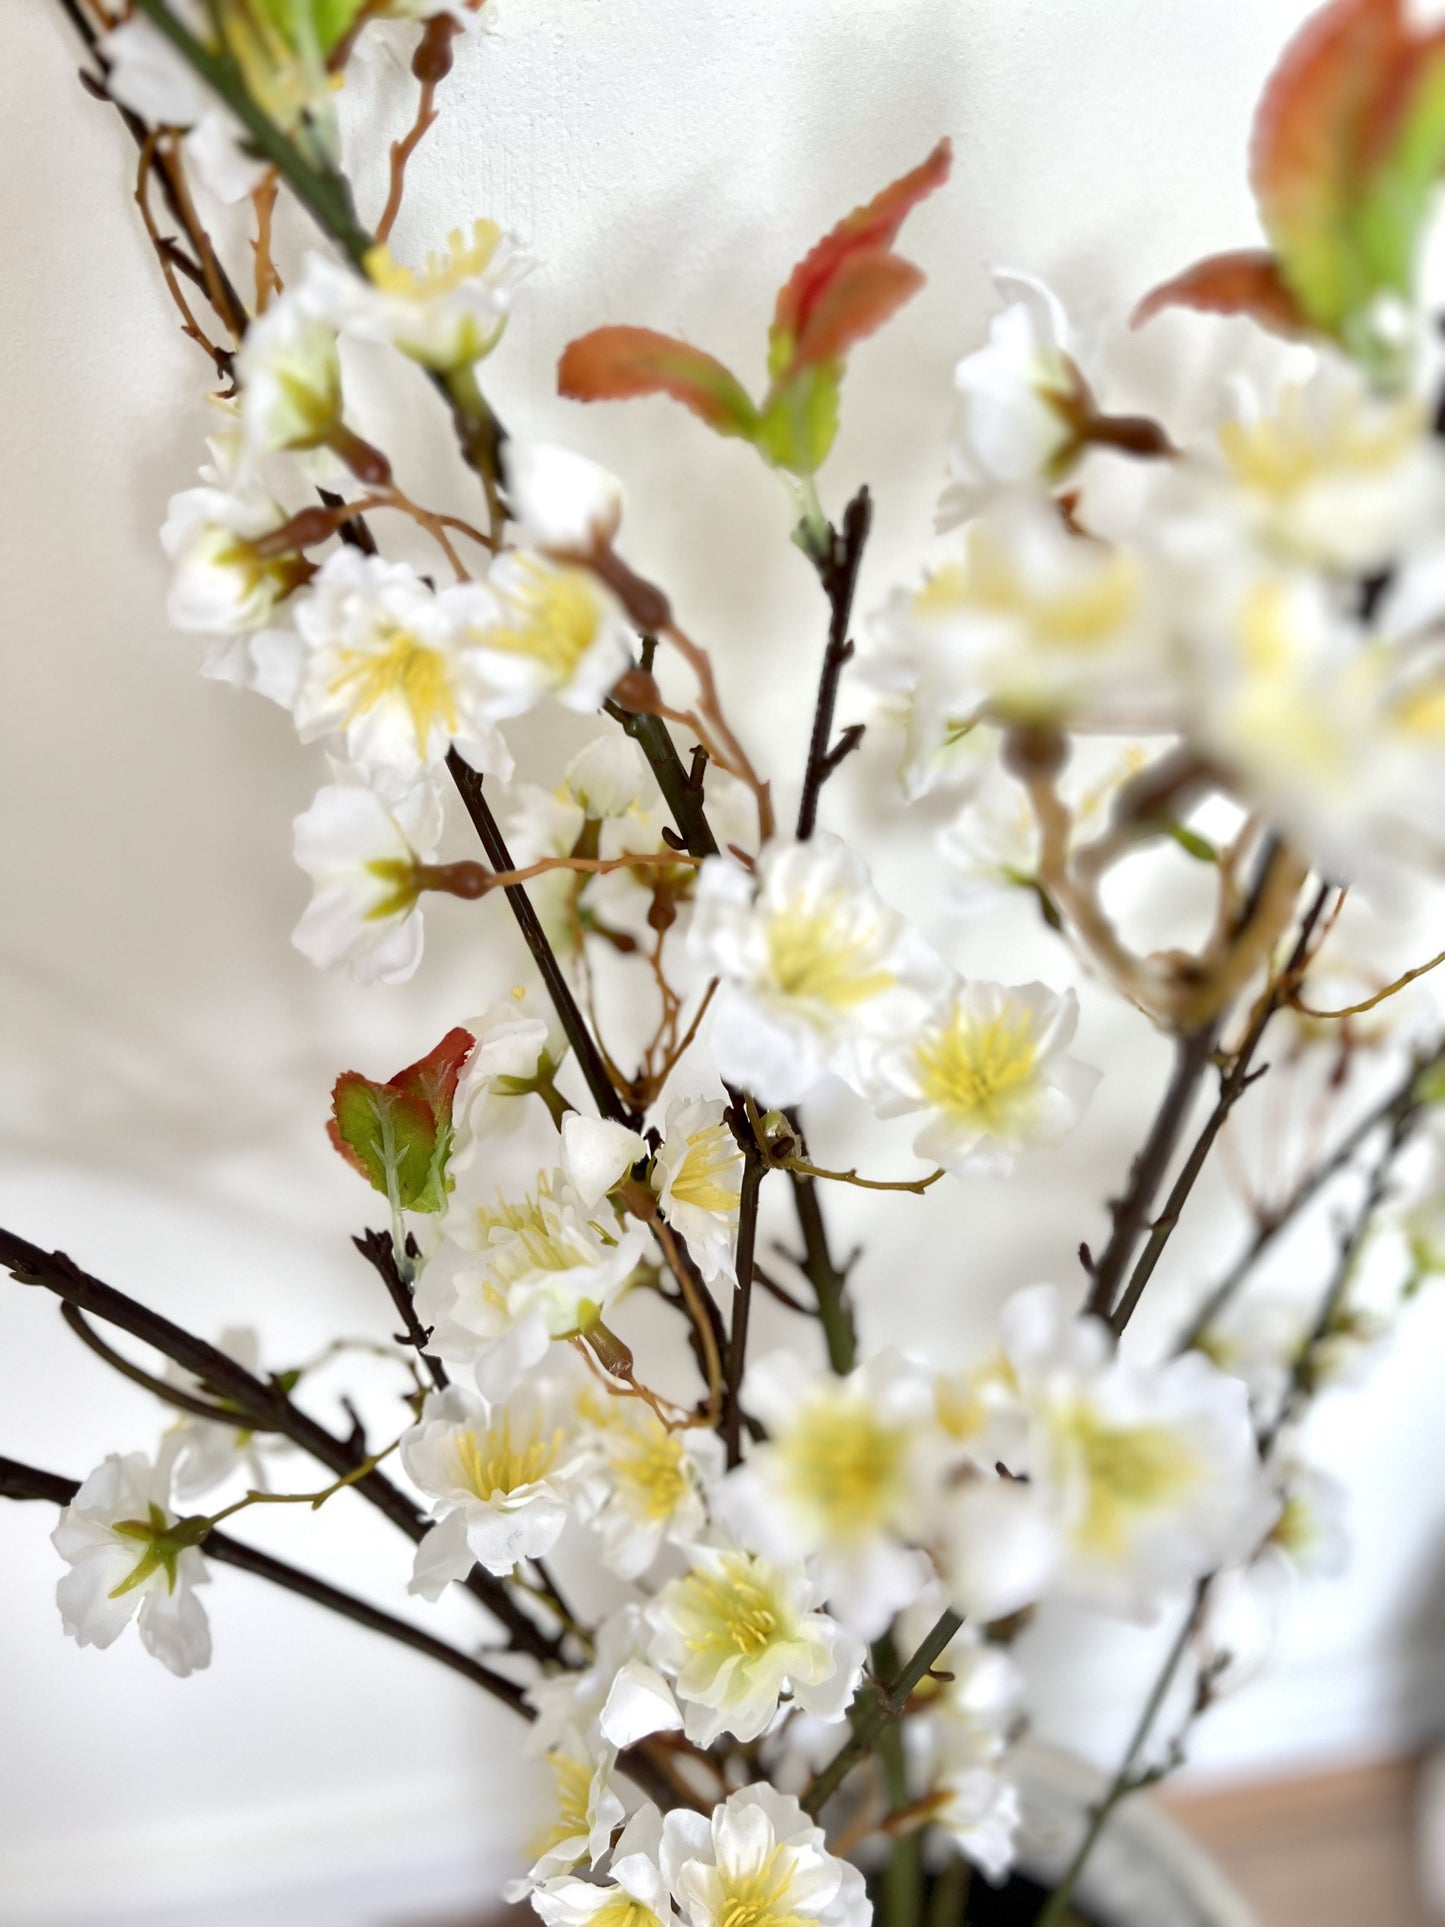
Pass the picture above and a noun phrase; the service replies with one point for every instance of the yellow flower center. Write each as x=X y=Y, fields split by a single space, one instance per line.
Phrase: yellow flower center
x=572 y=1781
x=556 y=614
x=844 y=1464
x=1084 y=611
x=624 y=1911
x=730 y=1610
x=493 y=1464
x=1289 y=451
x=965 y=1403
x=651 y=1471
x=979 y=1070
x=710 y=1174
x=403 y=671
x=462 y=260
x=760 y=1899
x=1131 y=1470
x=813 y=958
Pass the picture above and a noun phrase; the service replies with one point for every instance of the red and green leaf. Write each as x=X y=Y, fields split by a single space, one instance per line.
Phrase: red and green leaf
x=1347 y=147
x=398 y=1135
x=1247 y=282
x=616 y=364
x=869 y=230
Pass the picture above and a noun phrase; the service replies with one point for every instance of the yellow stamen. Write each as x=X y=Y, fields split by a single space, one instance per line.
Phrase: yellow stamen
x=492 y=1465
x=813 y=958
x=710 y=1175
x=405 y=671
x=980 y=1069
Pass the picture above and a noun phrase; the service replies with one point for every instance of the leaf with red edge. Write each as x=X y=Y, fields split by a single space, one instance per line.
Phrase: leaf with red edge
x=1348 y=142
x=398 y=1135
x=868 y=230
x=615 y=364
x=1247 y=282
x=860 y=297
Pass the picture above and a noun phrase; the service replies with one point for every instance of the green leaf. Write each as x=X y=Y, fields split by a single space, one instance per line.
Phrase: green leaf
x=398 y=1135
x=801 y=419
x=1199 y=847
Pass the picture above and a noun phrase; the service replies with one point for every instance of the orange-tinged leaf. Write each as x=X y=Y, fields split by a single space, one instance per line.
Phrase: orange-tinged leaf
x=859 y=298
x=615 y=364
x=870 y=229
x=1247 y=282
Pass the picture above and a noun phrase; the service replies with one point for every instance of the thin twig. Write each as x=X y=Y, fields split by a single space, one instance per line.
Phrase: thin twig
x=22 y=1482
x=872 y=1711
x=376 y=1248
x=754 y=1171
x=1275 y=1222
x=838 y=571
x=1232 y=1088
x=604 y=1091
x=266 y=1404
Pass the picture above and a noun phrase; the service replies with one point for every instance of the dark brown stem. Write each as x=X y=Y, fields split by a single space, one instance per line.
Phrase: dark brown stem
x=258 y=1403
x=376 y=1248
x=754 y=1171
x=838 y=571
x=23 y=1482
x=589 y=1058
x=170 y=1394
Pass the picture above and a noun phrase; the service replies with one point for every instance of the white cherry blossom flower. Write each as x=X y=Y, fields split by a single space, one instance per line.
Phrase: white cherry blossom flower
x=1019 y=403
x=589 y=1812
x=131 y=1558
x=697 y=1175
x=548 y=629
x=548 y=1269
x=758 y=1858
x=597 y=1154
x=290 y=376
x=390 y=668
x=842 y=1480
x=1335 y=475
x=998 y=1544
x=649 y=1491
x=634 y=1894
x=1153 y=1473
x=815 y=968
x=613 y=1702
x=989 y=1076
x=222 y=587
x=562 y=502
x=362 y=856
x=979 y=1811
x=518 y=1050
x=1311 y=1532
x=447 y=315
x=736 y=1633
x=1025 y=622
x=500 y=1479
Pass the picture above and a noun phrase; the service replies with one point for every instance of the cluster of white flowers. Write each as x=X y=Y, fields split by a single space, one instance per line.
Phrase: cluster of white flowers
x=1272 y=598
x=1255 y=626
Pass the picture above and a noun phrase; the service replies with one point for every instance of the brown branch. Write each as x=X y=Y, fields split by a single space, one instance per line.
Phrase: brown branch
x=258 y=1401
x=376 y=1248
x=431 y=63
x=25 y=1482
x=838 y=572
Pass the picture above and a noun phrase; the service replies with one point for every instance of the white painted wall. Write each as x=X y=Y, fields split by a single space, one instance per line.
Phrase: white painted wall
x=166 y=1054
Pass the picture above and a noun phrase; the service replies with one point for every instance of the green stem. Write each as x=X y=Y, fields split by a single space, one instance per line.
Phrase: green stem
x=323 y=192
x=902 y=1895
x=872 y=1711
